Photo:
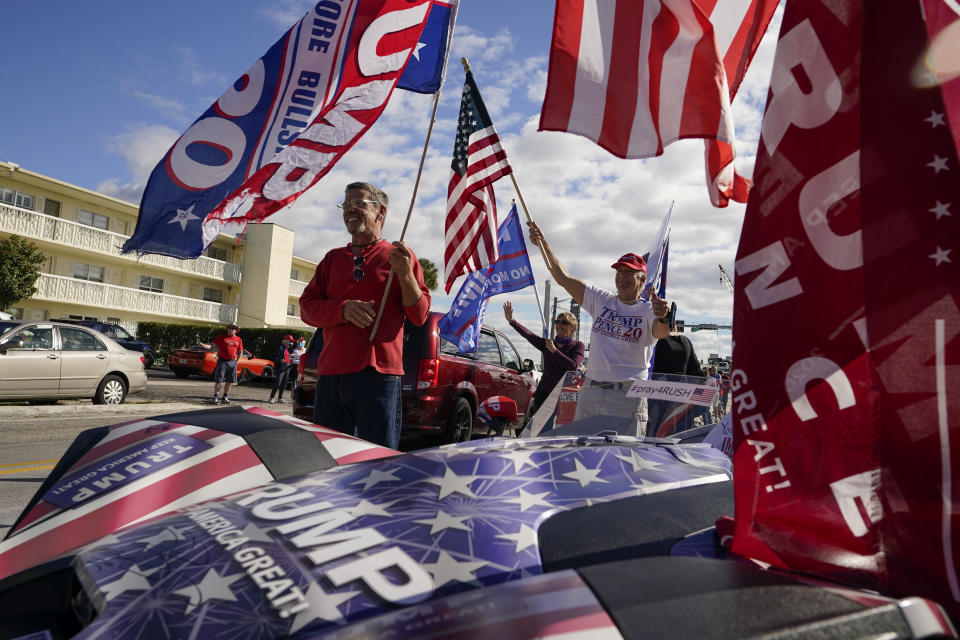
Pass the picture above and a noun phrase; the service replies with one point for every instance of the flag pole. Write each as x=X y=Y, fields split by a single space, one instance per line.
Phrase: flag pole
x=406 y=222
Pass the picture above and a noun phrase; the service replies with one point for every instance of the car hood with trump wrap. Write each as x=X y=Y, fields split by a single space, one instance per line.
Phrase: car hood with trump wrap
x=330 y=548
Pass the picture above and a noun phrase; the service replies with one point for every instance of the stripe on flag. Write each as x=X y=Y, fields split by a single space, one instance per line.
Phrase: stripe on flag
x=478 y=161
x=636 y=75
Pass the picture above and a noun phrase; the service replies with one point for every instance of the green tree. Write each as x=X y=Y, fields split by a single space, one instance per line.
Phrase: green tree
x=430 y=273
x=20 y=262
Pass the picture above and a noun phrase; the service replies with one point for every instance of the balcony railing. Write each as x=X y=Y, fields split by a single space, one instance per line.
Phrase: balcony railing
x=32 y=224
x=109 y=297
x=296 y=288
x=295 y=321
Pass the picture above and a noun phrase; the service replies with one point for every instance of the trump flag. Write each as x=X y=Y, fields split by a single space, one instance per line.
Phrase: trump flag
x=512 y=271
x=281 y=126
x=845 y=441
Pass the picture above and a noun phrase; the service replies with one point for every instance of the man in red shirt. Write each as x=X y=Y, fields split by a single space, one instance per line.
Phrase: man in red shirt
x=358 y=382
x=229 y=348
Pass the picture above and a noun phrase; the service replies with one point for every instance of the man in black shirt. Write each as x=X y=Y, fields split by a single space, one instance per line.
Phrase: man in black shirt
x=674 y=355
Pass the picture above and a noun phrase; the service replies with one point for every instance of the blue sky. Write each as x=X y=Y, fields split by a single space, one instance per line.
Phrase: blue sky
x=97 y=92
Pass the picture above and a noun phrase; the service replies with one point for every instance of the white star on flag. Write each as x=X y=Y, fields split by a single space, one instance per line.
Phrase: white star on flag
x=323 y=605
x=583 y=475
x=376 y=477
x=183 y=216
x=447 y=569
x=416 y=49
x=212 y=587
x=639 y=463
x=452 y=483
x=519 y=459
x=254 y=533
x=443 y=521
x=941 y=256
x=935 y=119
x=530 y=500
x=134 y=579
x=938 y=164
x=940 y=209
x=367 y=508
x=524 y=538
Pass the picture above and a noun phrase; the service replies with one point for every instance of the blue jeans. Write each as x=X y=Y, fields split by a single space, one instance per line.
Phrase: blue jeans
x=365 y=404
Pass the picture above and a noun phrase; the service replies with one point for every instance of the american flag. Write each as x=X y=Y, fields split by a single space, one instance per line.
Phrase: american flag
x=634 y=76
x=478 y=162
x=703 y=394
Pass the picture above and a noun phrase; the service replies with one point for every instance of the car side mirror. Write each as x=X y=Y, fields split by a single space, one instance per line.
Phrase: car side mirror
x=10 y=344
x=527 y=365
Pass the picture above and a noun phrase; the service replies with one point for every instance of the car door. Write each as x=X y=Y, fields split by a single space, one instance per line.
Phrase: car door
x=513 y=382
x=30 y=369
x=84 y=361
x=488 y=366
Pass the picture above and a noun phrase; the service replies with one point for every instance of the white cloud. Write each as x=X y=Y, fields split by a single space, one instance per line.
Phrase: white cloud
x=141 y=146
x=169 y=107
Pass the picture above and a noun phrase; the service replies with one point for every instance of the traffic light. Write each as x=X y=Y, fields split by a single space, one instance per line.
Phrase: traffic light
x=575 y=309
x=680 y=324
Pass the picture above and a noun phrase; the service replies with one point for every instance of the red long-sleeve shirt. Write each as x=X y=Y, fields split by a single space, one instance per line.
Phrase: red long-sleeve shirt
x=347 y=347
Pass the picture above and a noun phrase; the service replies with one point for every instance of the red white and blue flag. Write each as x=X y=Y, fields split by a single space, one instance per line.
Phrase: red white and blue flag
x=636 y=75
x=285 y=123
x=478 y=161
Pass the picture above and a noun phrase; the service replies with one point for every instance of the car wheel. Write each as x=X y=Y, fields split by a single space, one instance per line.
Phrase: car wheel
x=181 y=373
x=147 y=359
x=460 y=422
x=112 y=390
x=267 y=372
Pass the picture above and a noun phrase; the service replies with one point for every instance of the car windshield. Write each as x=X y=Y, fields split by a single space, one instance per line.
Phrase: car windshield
x=119 y=333
x=6 y=325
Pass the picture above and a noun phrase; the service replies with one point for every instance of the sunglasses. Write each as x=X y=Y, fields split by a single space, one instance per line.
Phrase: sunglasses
x=562 y=321
x=356 y=203
x=357 y=271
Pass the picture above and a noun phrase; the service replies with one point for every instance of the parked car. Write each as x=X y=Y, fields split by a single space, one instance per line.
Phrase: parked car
x=576 y=537
x=200 y=361
x=121 y=336
x=53 y=361
x=441 y=388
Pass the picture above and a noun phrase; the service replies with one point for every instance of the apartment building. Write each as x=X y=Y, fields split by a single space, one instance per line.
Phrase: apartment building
x=255 y=281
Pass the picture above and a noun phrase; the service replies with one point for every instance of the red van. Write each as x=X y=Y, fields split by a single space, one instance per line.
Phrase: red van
x=441 y=388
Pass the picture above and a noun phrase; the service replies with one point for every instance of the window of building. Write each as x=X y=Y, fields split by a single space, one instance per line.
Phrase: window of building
x=217 y=253
x=294 y=275
x=17 y=313
x=51 y=208
x=73 y=316
x=113 y=320
x=16 y=198
x=93 y=219
x=48 y=263
x=212 y=295
x=291 y=309
x=89 y=272
x=151 y=284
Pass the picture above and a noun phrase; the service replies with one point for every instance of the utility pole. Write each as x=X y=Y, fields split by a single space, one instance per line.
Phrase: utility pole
x=546 y=306
x=725 y=279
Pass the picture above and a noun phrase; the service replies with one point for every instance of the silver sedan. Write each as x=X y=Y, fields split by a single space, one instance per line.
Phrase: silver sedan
x=52 y=360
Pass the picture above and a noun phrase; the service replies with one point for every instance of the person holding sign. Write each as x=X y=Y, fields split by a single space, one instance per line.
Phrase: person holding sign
x=563 y=353
x=625 y=329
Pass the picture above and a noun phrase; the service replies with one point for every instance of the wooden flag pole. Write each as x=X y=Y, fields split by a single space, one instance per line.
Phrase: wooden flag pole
x=406 y=222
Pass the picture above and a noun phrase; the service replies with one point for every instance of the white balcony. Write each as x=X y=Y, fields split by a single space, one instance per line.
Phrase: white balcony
x=108 y=296
x=295 y=321
x=296 y=288
x=39 y=226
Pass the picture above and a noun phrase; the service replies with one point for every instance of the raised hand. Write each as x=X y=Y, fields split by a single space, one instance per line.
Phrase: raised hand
x=508 y=311
x=660 y=306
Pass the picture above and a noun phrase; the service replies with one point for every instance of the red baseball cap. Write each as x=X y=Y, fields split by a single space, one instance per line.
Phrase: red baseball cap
x=290 y=338
x=631 y=261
